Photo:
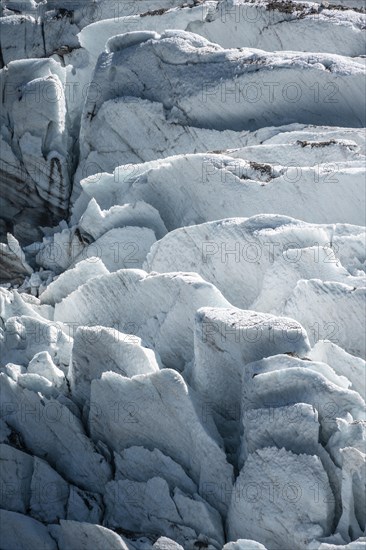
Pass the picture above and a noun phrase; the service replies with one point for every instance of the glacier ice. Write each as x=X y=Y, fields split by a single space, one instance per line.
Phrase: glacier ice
x=275 y=483
x=182 y=275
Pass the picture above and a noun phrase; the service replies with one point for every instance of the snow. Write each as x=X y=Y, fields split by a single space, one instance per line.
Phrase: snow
x=14 y=265
x=355 y=545
x=121 y=248
x=95 y=222
x=352 y=522
x=244 y=544
x=342 y=362
x=142 y=130
x=277 y=486
x=36 y=182
x=205 y=99
x=226 y=339
x=294 y=428
x=24 y=336
x=236 y=25
x=182 y=275
x=140 y=464
x=50 y=430
x=192 y=189
x=260 y=250
x=161 y=308
x=218 y=100
x=36 y=38
x=43 y=365
x=302 y=264
x=149 y=506
x=283 y=380
x=99 y=349
x=342 y=312
x=70 y=280
x=158 y=410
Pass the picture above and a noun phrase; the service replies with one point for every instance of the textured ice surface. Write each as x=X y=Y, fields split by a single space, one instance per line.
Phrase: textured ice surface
x=192 y=189
x=182 y=270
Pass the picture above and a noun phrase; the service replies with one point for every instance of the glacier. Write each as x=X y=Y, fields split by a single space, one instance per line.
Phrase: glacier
x=182 y=275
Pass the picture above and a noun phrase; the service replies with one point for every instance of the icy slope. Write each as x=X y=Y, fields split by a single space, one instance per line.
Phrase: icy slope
x=35 y=170
x=302 y=26
x=255 y=250
x=182 y=265
x=192 y=189
x=222 y=90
